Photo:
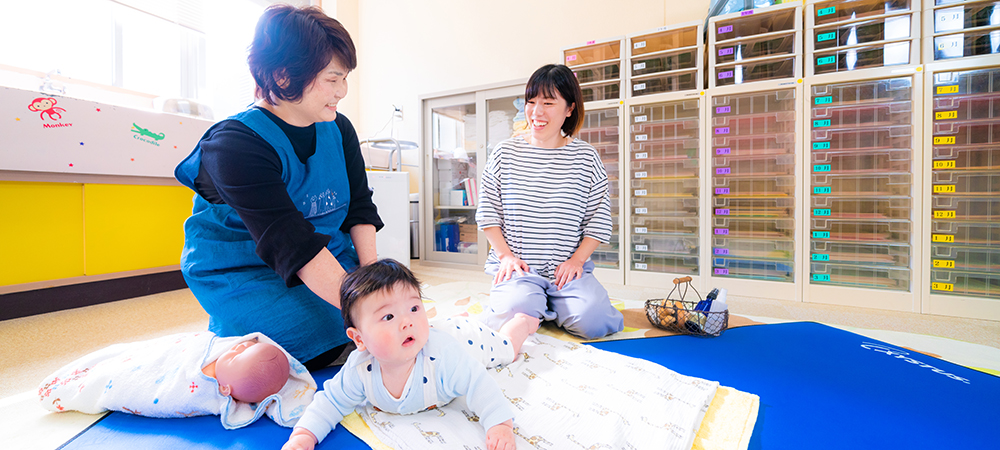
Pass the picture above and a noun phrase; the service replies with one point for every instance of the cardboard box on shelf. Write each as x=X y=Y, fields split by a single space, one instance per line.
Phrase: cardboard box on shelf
x=467 y=232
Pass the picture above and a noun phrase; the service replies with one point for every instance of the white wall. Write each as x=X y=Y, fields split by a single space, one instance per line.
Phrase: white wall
x=411 y=48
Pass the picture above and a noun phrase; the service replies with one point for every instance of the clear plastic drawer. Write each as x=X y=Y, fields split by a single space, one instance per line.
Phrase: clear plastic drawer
x=979 y=284
x=861 y=231
x=662 y=112
x=861 y=208
x=665 y=169
x=676 y=129
x=597 y=92
x=854 y=253
x=608 y=152
x=665 y=263
x=600 y=118
x=858 y=162
x=772 y=69
x=960 y=257
x=966 y=158
x=967 y=233
x=592 y=54
x=605 y=259
x=684 y=187
x=754 y=124
x=863 y=185
x=839 y=10
x=664 y=41
x=969 y=43
x=769 y=144
x=753 y=103
x=773 y=207
x=967 y=107
x=863 y=92
x=610 y=71
x=898 y=137
x=595 y=136
x=765 y=165
x=665 y=150
x=874 y=30
x=760 y=22
x=957 y=84
x=671 y=82
x=966 y=133
x=754 y=187
x=743 y=49
x=645 y=224
x=862 y=276
x=753 y=269
x=965 y=208
x=752 y=228
x=665 y=62
x=780 y=250
x=964 y=17
x=862 y=116
x=675 y=245
x=648 y=205
x=854 y=58
x=948 y=182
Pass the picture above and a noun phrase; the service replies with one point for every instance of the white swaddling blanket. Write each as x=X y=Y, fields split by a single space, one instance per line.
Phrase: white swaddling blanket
x=163 y=378
x=567 y=395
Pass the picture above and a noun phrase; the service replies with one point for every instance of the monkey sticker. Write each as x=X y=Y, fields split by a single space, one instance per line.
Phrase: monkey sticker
x=46 y=105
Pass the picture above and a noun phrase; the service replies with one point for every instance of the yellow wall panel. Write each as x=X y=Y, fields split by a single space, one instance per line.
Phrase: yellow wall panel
x=134 y=227
x=41 y=231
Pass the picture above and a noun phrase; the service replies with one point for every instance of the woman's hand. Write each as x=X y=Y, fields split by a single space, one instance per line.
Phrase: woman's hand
x=509 y=264
x=501 y=436
x=568 y=271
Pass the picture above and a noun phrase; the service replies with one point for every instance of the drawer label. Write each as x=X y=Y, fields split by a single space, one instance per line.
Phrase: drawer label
x=640 y=266
x=821 y=235
x=640 y=137
x=821 y=277
x=639 y=66
x=826 y=60
x=944 y=264
x=723 y=109
x=722 y=211
x=822 y=190
x=638 y=86
x=641 y=247
x=826 y=36
x=826 y=11
x=947 y=89
x=722 y=271
x=722 y=171
x=640 y=119
x=725 y=51
x=823 y=100
x=944 y=164
x=571 y=58
x=640 y=192
x=821 y=145
x=640 y=230
x=722 y=231
x=642 y=155
x=640 y=44
x=944 y=214
x=722 y=130
x=640 y=174
x=944 y=140
x=721 y=191
x=944 y=188
x=721 y=251
x=641 y=210
x=821 y=167
x=942 y=238
x=820 y=257
x=726 y=29
x=948 y=287
x=944 y=115
x=821 y=123
x=746 y=13
x=821 y=212
x=726 y=74
x=723 y=151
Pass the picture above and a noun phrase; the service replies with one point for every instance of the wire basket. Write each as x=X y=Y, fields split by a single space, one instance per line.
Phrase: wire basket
x=681 y=316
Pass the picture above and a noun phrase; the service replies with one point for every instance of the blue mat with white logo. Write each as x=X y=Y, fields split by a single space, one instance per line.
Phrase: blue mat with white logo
x=819 y=388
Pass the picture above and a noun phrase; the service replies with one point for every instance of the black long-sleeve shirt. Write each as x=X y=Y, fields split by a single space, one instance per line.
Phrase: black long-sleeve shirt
x=241 y=169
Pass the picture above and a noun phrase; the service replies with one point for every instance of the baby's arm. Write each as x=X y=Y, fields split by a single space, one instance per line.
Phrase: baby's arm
x=498 y=437
x=484 y=398
x=340 y=395
x=301 y=439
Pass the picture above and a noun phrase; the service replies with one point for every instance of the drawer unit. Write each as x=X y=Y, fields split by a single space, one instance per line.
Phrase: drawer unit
x=606 y=72
x=664 y=62
x=861 y=138
x=661 y=263
x=860 y=253
x=665 y=150
x=951 y=182
x=849 y=35
x=672 y=130
x=684 y=168
x=956 y=29
x=601 y=128
x=646 y=224
x=852 y=161
x=860 y=230
x=885 y=28
x=666 y=59
x=852 y=207
x=674 y=245
x=755 y=22
x=605 y=258
x=647 y=205
x=965 y=258
x=665 y=82
x=765 y=165
x=753 y=228
x=755 y=45
x=764 y=249
x=897 y=185
x=757 y=70
x=857 y=116
x=866 y=57
x=969 y=284
x=978 y=209
x=829 y=12
x=600 y=136
x=965 y=233
x=753 y=206
x=753 y=269
x=754 y=187
x=600 y=90
x=754 y=124
x=877 y=277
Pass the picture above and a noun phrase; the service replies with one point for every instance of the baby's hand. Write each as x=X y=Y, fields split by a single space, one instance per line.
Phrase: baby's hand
x=501 y=437
x=301 y=439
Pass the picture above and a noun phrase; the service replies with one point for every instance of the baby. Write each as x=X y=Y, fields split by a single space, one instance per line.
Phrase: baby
x=404 y=366
x=184 y=375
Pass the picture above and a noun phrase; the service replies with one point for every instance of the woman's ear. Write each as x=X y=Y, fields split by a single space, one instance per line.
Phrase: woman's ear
x=569 y=111
x=355 y=336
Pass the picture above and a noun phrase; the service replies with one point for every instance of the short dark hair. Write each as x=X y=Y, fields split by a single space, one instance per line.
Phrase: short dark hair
x=291 y=46
x=380 y=275
x=552 y=78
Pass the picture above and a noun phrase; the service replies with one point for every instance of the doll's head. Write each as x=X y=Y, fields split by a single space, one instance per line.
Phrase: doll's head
x=251 y=371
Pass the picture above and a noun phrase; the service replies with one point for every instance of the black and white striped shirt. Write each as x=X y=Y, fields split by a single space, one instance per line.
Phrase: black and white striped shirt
x=545 y=200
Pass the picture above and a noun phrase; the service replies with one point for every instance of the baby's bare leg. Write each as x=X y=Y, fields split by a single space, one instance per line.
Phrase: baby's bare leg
x=518 y=329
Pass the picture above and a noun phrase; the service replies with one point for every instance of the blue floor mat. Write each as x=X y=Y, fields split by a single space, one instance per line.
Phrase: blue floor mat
x=819 y=387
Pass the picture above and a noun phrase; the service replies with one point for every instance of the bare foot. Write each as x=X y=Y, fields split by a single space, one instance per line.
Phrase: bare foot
x=518 y=329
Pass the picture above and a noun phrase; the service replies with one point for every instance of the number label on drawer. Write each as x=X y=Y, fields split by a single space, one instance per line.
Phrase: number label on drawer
x=821 y=123
x=821 y=235
x=723 y=109
x=821 y=145
x=638 y=86
x=722 y=171
x=944 y=115
x=826 y=36
x=571 y=58
x=726 y=74
x=722 y=271
x=821 y=212
x=641 y=247
x=639 y=66
x=944 y=264
x=640 y=192
x=638 y=45
x=821 y=167
x=942 y=238
x=826 y=60
x=944 y=140
x=722 y=231
x=746 y=13
x=944 y=214
x=640 y=137
x=944 y=164
x=640 y=174
x=641 y=210
x=721 y=251
x=822 y=190
x=642 y=155
x=722 y=130
x=721 y=191
x=948 y=287
x=725 y=51
x=823 y=100
x=947 y=89
x=826 y=11
x=640 y=230
x=640 y=266
x=726 y=29
x=723 y=151
x=639 y=119
x=820 y=257
x=944 y=189
x=821 y=277
x=722 y=211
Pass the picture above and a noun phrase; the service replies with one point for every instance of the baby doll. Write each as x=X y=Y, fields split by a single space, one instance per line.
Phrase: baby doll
x=404 y=366
x=239 y=378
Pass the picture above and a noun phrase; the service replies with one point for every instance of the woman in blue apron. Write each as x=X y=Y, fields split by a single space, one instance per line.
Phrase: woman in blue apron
x=282 y=207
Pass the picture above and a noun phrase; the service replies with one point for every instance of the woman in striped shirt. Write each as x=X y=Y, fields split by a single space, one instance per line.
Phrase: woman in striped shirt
x=544 y=207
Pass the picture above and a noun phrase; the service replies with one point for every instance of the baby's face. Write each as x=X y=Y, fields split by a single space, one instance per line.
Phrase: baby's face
x=392 y=325
x=251 y=359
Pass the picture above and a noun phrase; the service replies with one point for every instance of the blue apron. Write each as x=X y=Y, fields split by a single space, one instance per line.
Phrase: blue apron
x=243 y=295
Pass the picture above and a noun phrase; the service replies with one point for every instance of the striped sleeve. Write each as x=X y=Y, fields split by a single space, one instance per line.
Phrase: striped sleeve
x=597 y=219
x=489 y=212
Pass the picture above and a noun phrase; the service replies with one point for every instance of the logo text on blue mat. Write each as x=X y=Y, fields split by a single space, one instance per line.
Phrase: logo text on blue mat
x=902 y=355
